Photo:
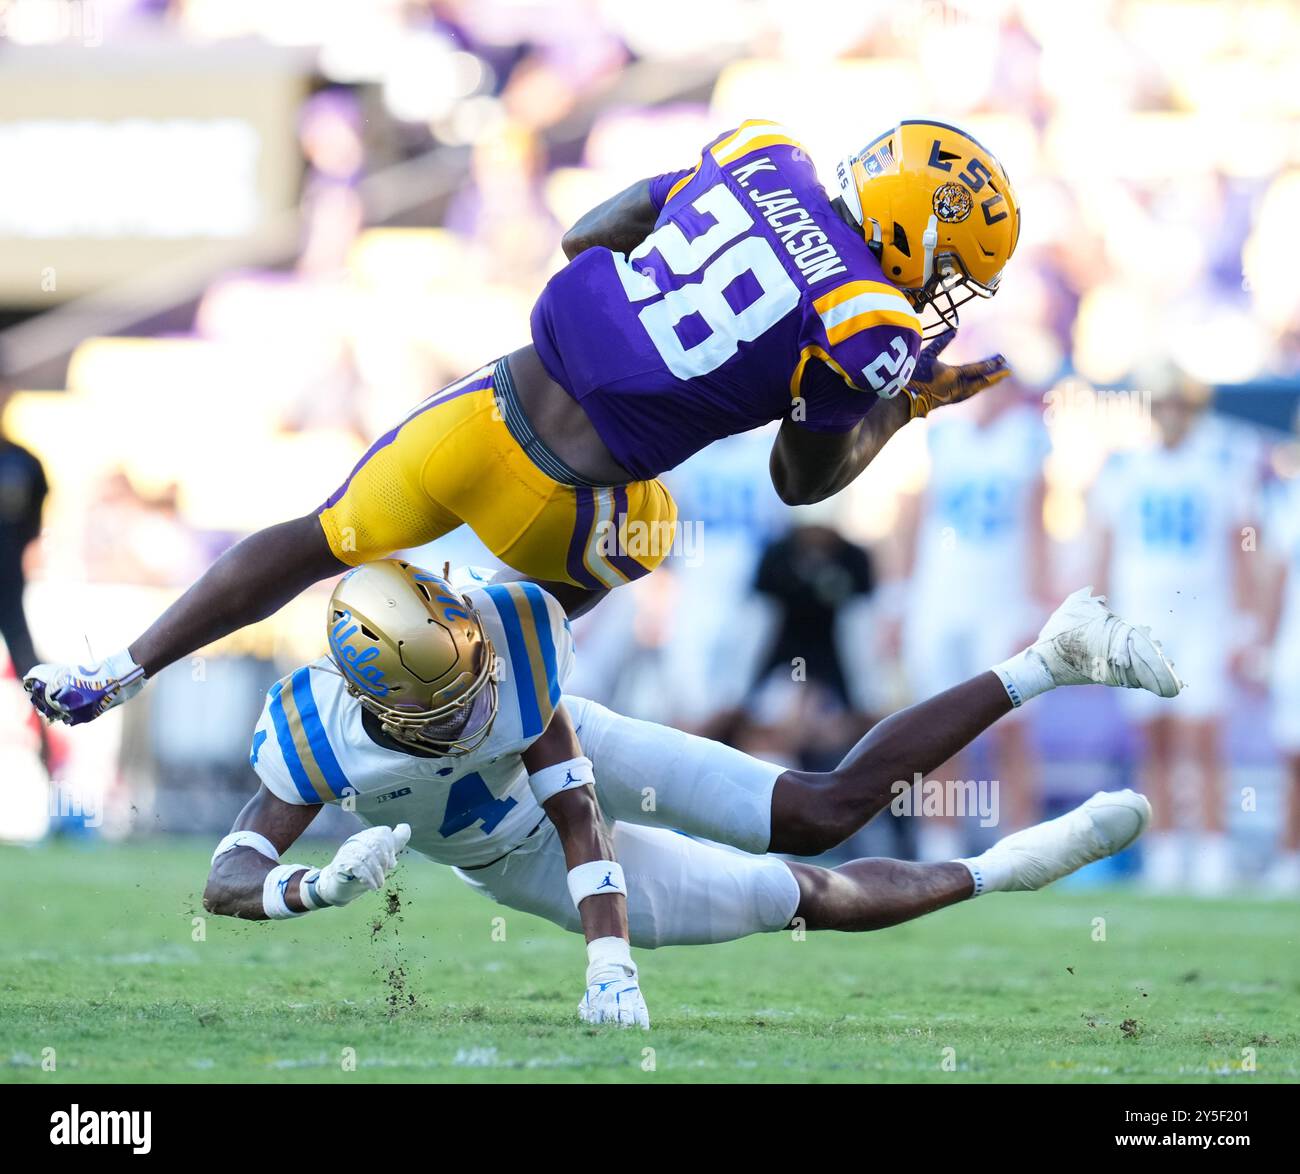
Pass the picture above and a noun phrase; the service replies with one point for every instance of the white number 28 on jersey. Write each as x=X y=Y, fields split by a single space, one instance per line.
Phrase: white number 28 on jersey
x=728 y=328
x=895 y=362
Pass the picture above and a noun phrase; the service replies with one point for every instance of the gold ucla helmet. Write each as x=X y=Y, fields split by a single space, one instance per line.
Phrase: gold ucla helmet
x=938 y=211
x=413 y=651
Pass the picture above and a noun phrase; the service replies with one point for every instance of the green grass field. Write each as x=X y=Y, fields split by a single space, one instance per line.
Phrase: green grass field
x=98 y=961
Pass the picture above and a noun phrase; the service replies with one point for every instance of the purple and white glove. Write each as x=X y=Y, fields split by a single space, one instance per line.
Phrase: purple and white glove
x=75 y=694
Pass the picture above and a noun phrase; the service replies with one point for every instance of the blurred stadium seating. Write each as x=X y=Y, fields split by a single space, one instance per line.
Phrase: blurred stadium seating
x=239 y=238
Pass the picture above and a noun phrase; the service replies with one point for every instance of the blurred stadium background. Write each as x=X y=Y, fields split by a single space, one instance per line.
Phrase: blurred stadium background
x=239 y=237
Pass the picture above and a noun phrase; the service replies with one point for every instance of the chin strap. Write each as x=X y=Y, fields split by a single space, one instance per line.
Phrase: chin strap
x=876 y=243
x=930 y=242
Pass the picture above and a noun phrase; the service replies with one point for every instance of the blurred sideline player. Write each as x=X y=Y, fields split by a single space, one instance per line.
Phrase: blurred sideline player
x=977 y=580
x=23 y=490
x=1281 y=634
x=443 y=715
x=1171 y=519
x=809 y=698
x=695 y=305
x=680 y=647
x=718 y=630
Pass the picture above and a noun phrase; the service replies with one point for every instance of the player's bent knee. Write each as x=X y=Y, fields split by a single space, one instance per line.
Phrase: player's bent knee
x=757 y=896
x=683 y=891
x=812 y=813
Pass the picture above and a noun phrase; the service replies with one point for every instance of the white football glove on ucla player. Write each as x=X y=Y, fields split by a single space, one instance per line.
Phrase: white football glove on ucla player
x=613 y=991
x=361 y=865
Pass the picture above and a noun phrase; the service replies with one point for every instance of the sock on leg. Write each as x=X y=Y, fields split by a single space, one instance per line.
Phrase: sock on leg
x=1024 y=675
x=990 y=871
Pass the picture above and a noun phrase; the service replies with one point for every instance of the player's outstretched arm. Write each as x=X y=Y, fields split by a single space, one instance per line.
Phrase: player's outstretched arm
x=251 y=580
x=247 y=879
x=562 y=780
x=620 y=224
x=808 y=466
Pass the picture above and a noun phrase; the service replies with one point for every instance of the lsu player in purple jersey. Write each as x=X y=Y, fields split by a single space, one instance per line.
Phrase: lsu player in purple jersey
x=441 y=719
x=695 y=305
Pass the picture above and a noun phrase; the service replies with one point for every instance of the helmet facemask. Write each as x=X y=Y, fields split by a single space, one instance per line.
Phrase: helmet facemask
x=455 y=728
x=946 y=287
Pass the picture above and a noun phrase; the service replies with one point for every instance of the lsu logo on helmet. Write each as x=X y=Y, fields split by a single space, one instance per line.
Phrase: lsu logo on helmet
x=953 y=202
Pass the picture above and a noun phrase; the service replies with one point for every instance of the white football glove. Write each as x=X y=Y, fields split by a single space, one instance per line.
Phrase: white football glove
x=613 y=990
x=361 y=865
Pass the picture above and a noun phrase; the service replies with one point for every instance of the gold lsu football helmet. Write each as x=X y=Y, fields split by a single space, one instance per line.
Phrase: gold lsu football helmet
x=412 y=650
x=938 y=211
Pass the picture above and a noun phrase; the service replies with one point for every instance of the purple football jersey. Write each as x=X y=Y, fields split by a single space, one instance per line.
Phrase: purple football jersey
x=734 y=312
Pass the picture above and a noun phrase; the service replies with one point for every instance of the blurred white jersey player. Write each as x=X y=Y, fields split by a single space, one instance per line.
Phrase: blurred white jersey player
x=979 y=575
x=728 y=511
x=681 y=646
x=1171 y=518
x=1281 y=545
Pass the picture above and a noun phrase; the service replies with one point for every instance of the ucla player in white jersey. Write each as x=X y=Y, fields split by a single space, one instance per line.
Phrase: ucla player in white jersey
x=979 y=574
x=440 y=718
x=727 y=513
x=1281 y=637
x=1172 y=518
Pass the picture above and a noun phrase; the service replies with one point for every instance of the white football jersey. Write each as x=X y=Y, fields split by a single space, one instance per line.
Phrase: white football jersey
x=728 y=513
x=310 y=746
x=1173 y=514
x=1282 y=539
x=973 y=540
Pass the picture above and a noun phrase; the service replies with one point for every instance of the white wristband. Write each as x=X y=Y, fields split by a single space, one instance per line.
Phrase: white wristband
x=129 y=676
x=595 y=878
x=258 y=843
x=307 y=892
x=551 y=780
x=277 y=880
x=610 y=952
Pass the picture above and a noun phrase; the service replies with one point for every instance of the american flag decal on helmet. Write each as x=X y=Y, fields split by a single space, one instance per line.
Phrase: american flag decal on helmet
x=878 y=161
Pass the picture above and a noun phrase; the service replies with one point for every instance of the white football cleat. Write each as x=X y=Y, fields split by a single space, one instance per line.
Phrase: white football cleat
x=1107 y=823
x=1085 y=643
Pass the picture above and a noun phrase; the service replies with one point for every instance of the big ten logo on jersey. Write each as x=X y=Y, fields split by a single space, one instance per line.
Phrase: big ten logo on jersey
x=357 y=661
